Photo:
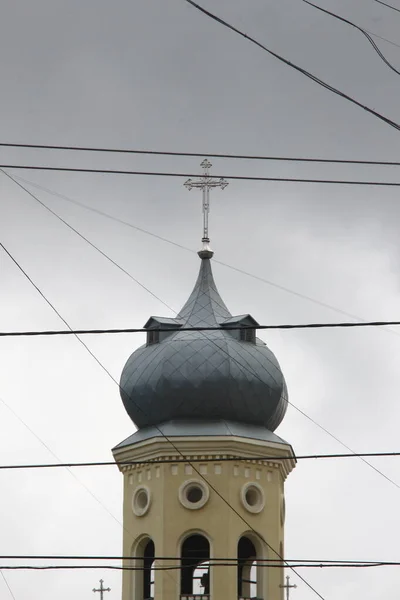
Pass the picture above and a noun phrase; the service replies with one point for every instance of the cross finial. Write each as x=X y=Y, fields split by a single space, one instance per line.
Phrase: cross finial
x=288 y=586
x=102 y=589
x=205 y=183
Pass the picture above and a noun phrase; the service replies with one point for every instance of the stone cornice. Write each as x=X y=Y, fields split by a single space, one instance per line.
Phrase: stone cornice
x=207 y=449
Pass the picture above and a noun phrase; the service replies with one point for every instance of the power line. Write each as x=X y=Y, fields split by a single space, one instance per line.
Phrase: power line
x=7 y=584
x=159 y=237
x=86 y=240
x=255 y=374
x=184 y=460
x=87 y=349
x=360 y=29
x=388 y=5
x=51 y=332
x=226 y=502
x=296 y=67
x=189 y=175
x=232 y=508
x=217 y=559
x=382 y=38
x=206 y=154
x=178 y=567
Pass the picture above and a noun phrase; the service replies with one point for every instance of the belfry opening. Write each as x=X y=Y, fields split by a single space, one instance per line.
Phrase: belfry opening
x=195 y=572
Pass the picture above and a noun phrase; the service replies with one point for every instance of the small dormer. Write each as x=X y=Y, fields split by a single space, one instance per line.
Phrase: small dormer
x=245 y=328
x=154 y=324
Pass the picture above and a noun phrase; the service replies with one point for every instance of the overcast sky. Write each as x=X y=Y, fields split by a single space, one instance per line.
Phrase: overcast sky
x=160 y=75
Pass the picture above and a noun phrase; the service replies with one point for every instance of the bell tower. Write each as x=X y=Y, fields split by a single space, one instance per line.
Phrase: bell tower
x=204 y=473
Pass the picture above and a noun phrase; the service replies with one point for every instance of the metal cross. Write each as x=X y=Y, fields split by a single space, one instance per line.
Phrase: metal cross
x=102 y=589
x=287 y=587
x=205 y=183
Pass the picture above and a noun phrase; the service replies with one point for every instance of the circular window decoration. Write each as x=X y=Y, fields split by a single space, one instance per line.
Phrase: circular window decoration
x=193 y=494
x=252 y=496
x=141 y=501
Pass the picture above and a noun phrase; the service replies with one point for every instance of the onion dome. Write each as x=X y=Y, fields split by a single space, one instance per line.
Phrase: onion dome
x=204 y=376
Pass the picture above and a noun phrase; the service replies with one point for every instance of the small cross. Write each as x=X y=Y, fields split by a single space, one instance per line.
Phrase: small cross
x=206 y=183
x=102 y=589
x=287 y=587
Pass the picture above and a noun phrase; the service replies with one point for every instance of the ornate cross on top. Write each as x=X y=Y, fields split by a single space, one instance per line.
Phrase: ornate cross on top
x=287 y=587
x=206 y=183
x=102 y=589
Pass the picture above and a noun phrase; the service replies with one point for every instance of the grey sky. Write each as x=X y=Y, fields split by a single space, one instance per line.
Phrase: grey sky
x=160 y=75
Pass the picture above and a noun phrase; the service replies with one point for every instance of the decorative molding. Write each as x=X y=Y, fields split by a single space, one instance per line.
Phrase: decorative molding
x=199 y=489
x=141 y=500
x=216 y=449
x=252 y=497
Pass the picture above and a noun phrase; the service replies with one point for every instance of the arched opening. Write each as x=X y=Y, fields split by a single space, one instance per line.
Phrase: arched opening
x=195 y=572
x=144 y=577
x=249 y=574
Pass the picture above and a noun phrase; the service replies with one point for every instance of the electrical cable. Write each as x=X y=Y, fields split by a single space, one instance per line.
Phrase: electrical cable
x=183 y=459
x=218 y=559
x=282 y=327
x=169 y=440
x=89 y=491
x=206 y=154
x=381 y=38
x=179 y=567
x=226 y=502
x=189 y=175
x=2 y=401
x=296 y=67
x=7 y=584
x=360 y=29
x=156 y=236
x=387 y=5
x=86 y=240
x=294 y=406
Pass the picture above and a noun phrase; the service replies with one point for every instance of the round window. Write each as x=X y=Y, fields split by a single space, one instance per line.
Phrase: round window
x=141 y=501
x=193 y=494
x=252 y=496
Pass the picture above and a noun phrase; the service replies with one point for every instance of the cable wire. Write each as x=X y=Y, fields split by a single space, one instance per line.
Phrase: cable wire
x=296 y=67
x=185 y=460
x=224 y=264
x=229 y=505
x=285 y=326
x=189 y=175
x=179 y=567
x=7 y=584
x=195 y=469
x=294 y=406
x=86 y=240
x=255 y=374
x=387 y=5
x=207 y=154
x=360 y=29
x=216 y=560
x=382 y=38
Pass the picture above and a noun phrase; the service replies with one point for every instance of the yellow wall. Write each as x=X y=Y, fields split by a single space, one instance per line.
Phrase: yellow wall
x=168 y=522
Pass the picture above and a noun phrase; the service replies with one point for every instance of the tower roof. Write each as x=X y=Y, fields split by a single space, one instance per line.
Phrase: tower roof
x=204 y=375
x=208 y=376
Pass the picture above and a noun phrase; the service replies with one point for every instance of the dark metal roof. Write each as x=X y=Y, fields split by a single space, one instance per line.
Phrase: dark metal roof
x=174 y=429
x=240 y=318
x=162 y=321
x=208 y=375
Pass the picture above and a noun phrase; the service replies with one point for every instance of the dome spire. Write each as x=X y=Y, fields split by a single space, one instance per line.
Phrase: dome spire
x=205 y=183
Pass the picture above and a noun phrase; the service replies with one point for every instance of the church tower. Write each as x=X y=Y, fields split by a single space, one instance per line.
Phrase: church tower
x=204 y=500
